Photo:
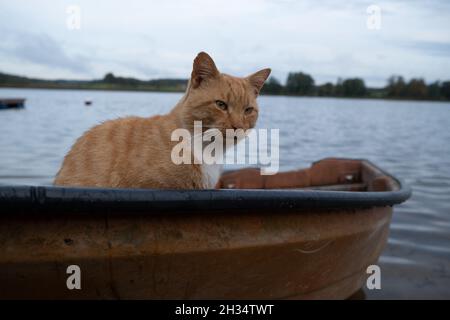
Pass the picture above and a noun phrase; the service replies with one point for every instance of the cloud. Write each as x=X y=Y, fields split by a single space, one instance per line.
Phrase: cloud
x=41 y=49
x=432 y=48
x=150 y=39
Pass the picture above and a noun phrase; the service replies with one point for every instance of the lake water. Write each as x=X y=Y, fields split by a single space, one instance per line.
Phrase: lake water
x=408 y=139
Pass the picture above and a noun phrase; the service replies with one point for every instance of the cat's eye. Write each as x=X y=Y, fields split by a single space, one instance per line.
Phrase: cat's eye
x=249 y=110
x=222 y=105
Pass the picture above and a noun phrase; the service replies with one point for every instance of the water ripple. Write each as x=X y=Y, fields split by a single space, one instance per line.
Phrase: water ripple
x=407 y=138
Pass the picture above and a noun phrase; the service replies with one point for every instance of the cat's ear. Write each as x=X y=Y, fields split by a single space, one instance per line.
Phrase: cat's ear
x=258 y=78
x=204 y=68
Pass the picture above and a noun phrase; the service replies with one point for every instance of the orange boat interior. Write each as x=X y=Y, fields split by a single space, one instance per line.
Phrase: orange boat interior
x=328 y=174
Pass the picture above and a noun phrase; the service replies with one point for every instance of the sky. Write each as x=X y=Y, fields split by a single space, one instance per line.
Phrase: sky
x=159 y=39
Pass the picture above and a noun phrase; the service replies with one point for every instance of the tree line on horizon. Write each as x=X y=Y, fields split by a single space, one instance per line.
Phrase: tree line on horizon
x=302 y=84
x=297 y=84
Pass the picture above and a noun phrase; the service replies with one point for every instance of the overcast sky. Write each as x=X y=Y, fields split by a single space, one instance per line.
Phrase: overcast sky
x=154 y=39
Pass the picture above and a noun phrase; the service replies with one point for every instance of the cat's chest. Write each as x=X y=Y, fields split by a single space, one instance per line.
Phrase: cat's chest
x=210 y=175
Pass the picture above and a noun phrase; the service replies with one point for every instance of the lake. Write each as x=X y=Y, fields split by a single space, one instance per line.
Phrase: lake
x=409 y=139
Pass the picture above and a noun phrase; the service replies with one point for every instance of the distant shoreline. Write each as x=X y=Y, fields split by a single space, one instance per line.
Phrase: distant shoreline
x=182 y=91
x=272 y=88
x=2 y=86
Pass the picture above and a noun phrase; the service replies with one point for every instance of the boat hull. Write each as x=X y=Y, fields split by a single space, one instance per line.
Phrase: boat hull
x=300 y=238
x=290 y=255
x=12 y=103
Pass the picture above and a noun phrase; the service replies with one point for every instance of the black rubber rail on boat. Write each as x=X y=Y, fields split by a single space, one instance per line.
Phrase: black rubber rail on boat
x=29 y=199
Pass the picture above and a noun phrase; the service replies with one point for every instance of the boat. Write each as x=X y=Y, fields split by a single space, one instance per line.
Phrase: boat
x=303 y=234
x=12 y=103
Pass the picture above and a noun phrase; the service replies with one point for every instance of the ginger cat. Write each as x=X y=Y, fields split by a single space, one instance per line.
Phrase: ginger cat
x=135 y=152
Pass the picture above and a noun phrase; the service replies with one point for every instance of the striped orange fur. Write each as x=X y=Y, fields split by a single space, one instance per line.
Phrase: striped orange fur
x=135 y=152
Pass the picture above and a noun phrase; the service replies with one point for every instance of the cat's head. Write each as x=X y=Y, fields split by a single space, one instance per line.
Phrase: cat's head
x=219 y=100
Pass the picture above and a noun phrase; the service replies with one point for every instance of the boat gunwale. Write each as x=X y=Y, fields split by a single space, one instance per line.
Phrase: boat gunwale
x=148 y=201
